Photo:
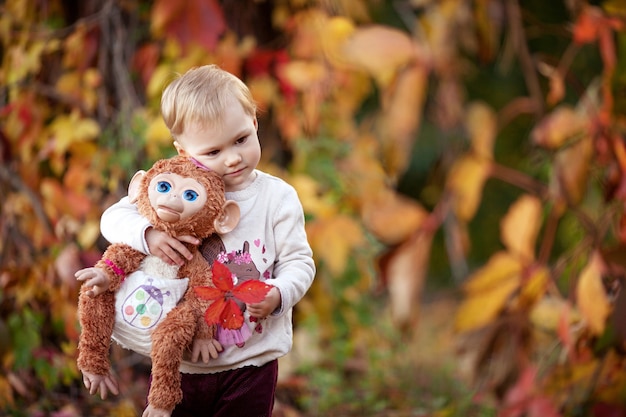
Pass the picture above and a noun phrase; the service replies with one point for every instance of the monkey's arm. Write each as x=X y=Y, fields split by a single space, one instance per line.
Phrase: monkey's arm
x=97 y=313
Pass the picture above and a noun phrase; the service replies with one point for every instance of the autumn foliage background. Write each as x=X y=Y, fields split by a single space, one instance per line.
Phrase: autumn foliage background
x=462 y=166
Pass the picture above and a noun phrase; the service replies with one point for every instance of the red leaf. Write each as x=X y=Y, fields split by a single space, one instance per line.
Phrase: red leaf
x=224 y=310
x=209 y=293
x=213 y=314
x=587 y=25
x=231 y=316
x=145 y=61
x=251 y=291
x=222 y=277
x=190 y=21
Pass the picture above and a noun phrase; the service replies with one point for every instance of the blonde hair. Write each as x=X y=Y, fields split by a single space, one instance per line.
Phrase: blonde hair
x=201 y=95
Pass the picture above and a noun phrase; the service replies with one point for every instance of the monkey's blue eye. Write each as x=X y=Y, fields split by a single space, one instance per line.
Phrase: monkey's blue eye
x=190 y=195
x=163 y=187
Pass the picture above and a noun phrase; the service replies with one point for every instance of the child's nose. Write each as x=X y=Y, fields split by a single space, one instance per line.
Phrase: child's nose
x=233 y=158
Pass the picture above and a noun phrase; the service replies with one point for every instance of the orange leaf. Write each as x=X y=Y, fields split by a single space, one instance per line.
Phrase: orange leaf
x=251 y=291
x=392 y=217
x=561 y=126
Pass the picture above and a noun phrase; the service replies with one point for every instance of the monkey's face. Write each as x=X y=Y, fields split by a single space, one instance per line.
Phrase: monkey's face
x=175 y=198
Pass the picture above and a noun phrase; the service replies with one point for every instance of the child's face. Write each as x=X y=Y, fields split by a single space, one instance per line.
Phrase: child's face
x=230 y=147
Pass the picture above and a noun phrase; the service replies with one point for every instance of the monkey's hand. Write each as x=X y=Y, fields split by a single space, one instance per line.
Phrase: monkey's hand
x=150 y=411
x=206 y=348
x=103 y=383
x=95 y=278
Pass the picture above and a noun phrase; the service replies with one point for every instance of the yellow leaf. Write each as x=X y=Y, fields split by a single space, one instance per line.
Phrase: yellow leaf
x=264 y=89
x=333 y=239
x=547 y=313
x=501 y=267
x=304 y=75
x=488 y=291
x=334 y=32
x=310 y=195
x=86 y=129
x=591 y=297
x=89 y=233
x=69 y=129
x=157 y=131
x=482 y=127
x=362 y=169
x=520 y=226
x=380 y=51
x=24 y=59
x=466 y=180
x=161 y=77
x=125 y=408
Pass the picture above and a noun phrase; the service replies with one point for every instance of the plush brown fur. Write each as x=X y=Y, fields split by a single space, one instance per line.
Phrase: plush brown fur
x=175 y=333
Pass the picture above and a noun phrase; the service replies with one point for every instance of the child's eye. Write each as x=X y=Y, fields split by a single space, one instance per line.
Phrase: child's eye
x=163 y=187
x=190 y=195
x=241 y=140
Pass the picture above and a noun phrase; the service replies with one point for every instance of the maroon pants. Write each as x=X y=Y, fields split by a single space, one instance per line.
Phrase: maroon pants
x=243 y=392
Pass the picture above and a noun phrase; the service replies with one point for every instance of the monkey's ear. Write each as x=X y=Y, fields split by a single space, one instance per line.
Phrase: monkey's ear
x=133 y=187
x=229 y=219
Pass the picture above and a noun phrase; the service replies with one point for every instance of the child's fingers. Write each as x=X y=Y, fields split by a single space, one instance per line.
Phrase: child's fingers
x=180 y=248
x=169 y=256
x=188 y=239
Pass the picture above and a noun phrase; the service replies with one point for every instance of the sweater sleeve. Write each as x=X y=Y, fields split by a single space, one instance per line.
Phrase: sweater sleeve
x=122 y=223
x=294 y=268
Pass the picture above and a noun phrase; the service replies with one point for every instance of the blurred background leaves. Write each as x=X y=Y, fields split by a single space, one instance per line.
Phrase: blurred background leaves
x=461 y=165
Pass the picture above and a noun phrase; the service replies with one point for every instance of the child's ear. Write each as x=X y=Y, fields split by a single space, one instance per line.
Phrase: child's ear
x=133 y=187
x=179 y=149
x=229 y=219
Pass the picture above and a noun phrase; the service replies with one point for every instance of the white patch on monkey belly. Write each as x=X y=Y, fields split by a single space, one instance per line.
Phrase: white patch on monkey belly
x=154 y=266
x=143 y=300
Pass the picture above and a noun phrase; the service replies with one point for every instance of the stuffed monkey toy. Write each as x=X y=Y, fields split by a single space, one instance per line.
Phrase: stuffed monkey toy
x=181 y=197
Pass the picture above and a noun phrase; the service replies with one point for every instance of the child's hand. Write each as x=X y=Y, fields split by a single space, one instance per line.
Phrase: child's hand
x=267 y=306
x=207 y=348
x=95 y=278
x=102 y=383
x=169 y=249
